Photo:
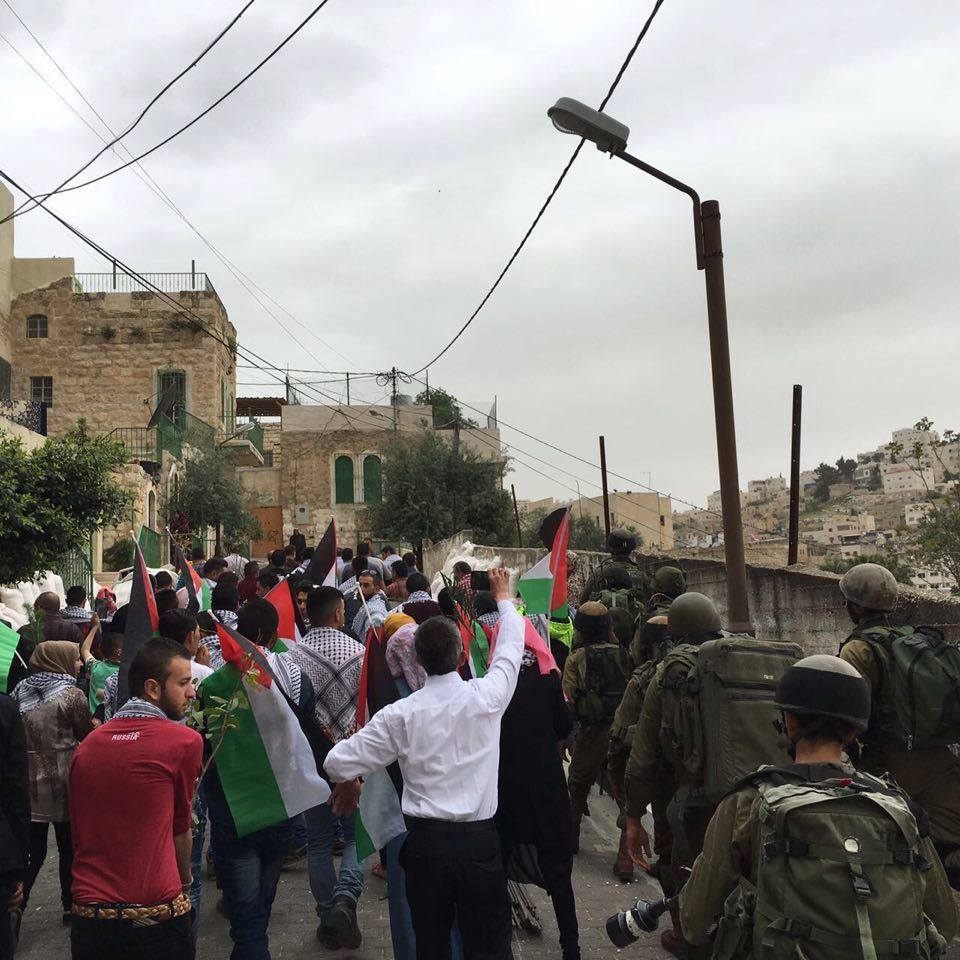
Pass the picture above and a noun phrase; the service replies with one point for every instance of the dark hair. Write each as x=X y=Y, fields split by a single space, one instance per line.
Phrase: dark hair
x=359 y=564
x=389 y=550
x=417 y=581
x=483 y=602
x=410 y=560
x=322 y=604
x=76 y=597
x=400 y=570
x=308 y=553
x=438 y=645
x=251 y=568
x=268 y=579
x=373 y=573
x=111 y=644
x=196 y=553
x=207 y=621
x=289 y=550
x=363 y=549
x=258 y=621
x=228 y=576
x=303 y=586
x=164 y=580
x=346 y=554
x=47 y=602
x=276 y=558
x=225 y=596
x=177 y=625
x=152 y=662
x=167 y=600
x=213 y=565
x=461 y=569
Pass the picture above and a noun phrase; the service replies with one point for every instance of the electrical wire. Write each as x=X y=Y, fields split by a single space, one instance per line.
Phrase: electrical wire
x=550 y=196
x=116 y=137
x=203 y=113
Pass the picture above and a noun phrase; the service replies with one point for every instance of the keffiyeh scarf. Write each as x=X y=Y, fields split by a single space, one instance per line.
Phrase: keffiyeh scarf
x=40 y=688
x=135 y=707
x=418 y=596
x=377 y=608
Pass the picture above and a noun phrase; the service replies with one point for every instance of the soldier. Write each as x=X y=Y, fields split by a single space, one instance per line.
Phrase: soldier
x=837 y=863
x=651 y=631
x=594 y=679
x=650 y=776
x=928 y=772
x=620 y=544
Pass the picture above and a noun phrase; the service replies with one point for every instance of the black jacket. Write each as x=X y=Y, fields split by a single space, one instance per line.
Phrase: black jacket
x=14 y=793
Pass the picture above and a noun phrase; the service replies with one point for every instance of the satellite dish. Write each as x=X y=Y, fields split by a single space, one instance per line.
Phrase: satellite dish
x=165 y=407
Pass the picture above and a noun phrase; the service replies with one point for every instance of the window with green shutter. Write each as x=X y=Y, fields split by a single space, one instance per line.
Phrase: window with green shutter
x=343 y=479
x=372 y=480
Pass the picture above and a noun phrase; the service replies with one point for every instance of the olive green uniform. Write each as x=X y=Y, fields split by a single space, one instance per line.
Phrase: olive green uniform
x=731 y=851
x=930 y=776
x=590 y=747
x=637 y=574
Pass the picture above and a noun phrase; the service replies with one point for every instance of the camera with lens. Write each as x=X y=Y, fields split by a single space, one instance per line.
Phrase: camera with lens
x=625 y=927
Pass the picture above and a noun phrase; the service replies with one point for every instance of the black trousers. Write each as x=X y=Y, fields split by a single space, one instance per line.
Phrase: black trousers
x=8 y=883
x=454 y=872
x=38 y=853
x=131 y=940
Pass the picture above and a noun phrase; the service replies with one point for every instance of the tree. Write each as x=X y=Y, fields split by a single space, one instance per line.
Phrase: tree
x=826 y=477
x=434 y=488
x=846 y=470
x=936 y=542
x=876 y=480
x=54 y=497
x=210 y=494
x=446 y=410
x=895 y=563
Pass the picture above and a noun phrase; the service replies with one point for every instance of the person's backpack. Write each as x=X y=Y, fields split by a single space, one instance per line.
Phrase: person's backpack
x=725 y=724
x=920 y=699
x=840 y=873
x=606 y=672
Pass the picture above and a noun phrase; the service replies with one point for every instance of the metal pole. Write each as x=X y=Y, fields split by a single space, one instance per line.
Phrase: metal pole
x=603 y=479
x=794 y=544
x=193 y=274
x=516 y=516
x=393 y=399
x=348 y=389
x=738 y=610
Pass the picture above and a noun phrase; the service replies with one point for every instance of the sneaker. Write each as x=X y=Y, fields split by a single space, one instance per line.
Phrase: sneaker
x=341 y=922
x=327 y=938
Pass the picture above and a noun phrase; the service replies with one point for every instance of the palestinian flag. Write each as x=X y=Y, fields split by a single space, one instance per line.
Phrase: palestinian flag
x=290 y=629
x=555 y=534
x=380 y=817
x=266 y=765
x=322 y=568
x=198 y=590
x=8 y=650
x=533 y=642
x=536 y=587
x=143 y=621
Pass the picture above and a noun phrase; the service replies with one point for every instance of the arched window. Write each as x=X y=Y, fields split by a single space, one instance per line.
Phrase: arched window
x=372 y=480
x=343 y=479
x=37 y=327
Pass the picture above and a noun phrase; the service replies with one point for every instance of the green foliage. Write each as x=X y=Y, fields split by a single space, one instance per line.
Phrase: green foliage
x=826 y=477
x=876 y=480
x=898 y=565
x=209 y=493
x=119 y=554
x=432 y=490
x=446 y=410
x=585 y=533
x=53 y=497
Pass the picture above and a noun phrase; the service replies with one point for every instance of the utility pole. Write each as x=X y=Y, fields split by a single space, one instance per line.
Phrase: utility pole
x=603 y=478
x=393 y=399
x=794 y=543
x=348 y=389
x=738 y=610
x=516 y=516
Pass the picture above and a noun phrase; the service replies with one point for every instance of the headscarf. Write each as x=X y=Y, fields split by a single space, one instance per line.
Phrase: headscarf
x=402 y=657
x=54 y=663
x=106 y=594
x=393 y=623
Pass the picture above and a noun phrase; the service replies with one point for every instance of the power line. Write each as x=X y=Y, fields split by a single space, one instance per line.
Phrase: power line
x=203 y=113
x=116 y=137
x=551 y=195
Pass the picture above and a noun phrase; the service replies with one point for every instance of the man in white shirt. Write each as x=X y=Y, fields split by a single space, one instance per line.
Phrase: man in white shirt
x=446 y=737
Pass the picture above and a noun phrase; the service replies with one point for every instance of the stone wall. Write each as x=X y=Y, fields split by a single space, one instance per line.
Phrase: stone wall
x=104 y=351
x=786 y=604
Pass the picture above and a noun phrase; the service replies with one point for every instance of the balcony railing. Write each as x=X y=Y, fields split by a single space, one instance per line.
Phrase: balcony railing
x=118 y=282
x=149 y=443
x=254 y=434
x=196 y=432
x=28 y=413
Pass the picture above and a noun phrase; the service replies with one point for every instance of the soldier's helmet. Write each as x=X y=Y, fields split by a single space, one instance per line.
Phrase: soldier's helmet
x=620 y=541
x=824 y=686
x=692 y=614
x=871 y=586
x=669 y=581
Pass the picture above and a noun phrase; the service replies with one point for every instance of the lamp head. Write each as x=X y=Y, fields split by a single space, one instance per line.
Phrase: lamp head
x=243 y=428
x=572 y=116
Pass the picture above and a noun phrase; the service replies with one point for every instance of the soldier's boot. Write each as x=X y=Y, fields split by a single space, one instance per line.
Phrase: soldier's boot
x=672 y=940
x=575 y=832
x=623 y=865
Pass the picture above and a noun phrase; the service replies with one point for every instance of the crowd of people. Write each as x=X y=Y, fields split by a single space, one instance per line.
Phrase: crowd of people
x=445 y=716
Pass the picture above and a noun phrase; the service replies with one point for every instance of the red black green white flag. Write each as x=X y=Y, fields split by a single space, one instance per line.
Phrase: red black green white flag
x=322 y=568
x=143 y=621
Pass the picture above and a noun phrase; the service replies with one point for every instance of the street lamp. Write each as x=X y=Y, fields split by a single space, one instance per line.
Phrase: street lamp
x=610 y=136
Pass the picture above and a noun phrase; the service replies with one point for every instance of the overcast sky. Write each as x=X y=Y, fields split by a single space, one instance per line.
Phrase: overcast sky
x=375 y=176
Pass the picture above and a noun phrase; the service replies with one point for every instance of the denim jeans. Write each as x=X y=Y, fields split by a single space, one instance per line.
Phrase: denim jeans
x=248 y=870
x=196 y=856
x=324 y=882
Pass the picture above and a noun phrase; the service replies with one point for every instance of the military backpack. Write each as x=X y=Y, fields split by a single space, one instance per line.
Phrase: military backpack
x=606 y=672
x=839 y=875
x=919 y=701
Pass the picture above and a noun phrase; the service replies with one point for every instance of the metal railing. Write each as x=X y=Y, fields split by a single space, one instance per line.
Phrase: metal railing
x=119 y=282
x=169 y=438
x=151 y=544
x=75 y=568
x=254 y=434
x=28 y=413
x=140 y=442
x=196 y=432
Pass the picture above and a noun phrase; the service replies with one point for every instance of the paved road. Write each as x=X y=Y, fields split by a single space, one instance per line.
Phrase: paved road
x=293 y=925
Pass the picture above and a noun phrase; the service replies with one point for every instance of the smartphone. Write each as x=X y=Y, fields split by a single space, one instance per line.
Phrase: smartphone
x=479 y=580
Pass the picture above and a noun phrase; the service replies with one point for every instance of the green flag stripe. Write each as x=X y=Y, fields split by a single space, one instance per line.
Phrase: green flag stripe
x=248 y=780
x=536 y=594
x=364 y=844
x=8 y=648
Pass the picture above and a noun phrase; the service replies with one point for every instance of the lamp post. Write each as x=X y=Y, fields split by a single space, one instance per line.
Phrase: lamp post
x=610 y=136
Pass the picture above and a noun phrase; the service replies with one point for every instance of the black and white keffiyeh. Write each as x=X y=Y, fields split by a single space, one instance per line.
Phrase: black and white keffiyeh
x=40 y=688
x=136 y=707
x=372 y=613
x=490 y=619
x=418 y=596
